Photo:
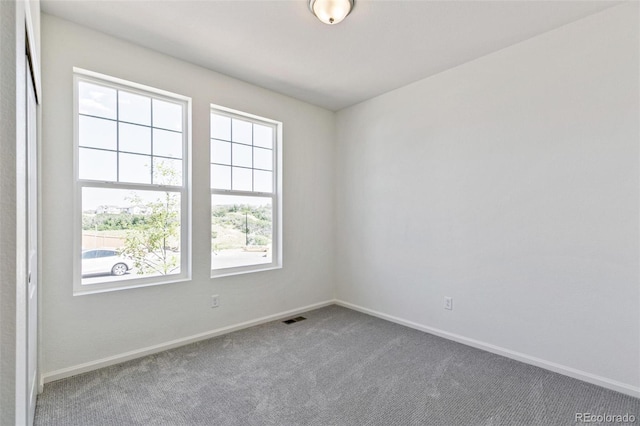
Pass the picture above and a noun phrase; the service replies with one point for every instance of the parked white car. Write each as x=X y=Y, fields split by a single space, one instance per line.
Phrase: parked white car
x=104 y=261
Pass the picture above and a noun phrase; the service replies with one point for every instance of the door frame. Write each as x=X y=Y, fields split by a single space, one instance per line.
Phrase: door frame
x=30 y=70
x=32 y=53
x=33 y=42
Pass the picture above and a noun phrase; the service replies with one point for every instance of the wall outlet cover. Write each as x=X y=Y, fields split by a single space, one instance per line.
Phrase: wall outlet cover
x=448 y=303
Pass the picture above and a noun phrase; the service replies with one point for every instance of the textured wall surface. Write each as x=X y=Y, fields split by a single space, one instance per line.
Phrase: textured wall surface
x=7 y=211
x=509 y=183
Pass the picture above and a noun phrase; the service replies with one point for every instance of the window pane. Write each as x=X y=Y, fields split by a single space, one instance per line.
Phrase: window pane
x=106 y=253
x=167 y=115
x=220 y=177
x=241 y=155
x=96 y=100
x=263 y=181
x=262 y=158
x=167 y=144
x=97 y=165
x=134 y=108
x=167 y=172
x=262 y=136
x=241 y=179
x=135 y=138
x=97 y=133
x=220 y=127
x=220 y=152
x=89 y=254
x=135 y=168
x=241 y=231
x=142 y=227
x=241 y=131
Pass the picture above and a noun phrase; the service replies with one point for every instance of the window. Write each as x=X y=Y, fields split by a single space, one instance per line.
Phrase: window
x=245 y=192
x=131 y=151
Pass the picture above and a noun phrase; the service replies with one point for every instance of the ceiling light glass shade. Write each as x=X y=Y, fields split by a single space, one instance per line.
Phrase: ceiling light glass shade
x=331 y=11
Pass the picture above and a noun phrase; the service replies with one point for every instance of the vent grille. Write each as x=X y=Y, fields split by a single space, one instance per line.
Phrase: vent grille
x=292 y=320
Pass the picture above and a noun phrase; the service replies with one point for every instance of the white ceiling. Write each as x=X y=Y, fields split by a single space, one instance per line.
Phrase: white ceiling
x=280 y=45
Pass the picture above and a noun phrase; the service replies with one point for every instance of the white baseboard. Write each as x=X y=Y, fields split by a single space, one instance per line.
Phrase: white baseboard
x=117 y=359
x=547 y=365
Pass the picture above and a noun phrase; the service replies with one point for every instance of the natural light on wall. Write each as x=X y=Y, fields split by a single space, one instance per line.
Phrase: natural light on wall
x=244 y=193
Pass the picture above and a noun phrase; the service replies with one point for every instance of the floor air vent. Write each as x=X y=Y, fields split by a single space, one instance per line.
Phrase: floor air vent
x=292 y=320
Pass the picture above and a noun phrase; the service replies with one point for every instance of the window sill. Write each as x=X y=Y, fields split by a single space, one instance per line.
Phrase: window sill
x=228 y=272
x=86 y=289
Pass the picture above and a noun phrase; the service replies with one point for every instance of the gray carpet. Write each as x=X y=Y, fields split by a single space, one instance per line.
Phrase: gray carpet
x=338 y=367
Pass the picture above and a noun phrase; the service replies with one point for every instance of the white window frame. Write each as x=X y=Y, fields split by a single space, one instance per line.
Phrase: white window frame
x=81 y=75
x=276 y=195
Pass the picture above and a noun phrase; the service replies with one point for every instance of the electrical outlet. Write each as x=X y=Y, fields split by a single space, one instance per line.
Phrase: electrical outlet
x=215 y=301
x=448 y=303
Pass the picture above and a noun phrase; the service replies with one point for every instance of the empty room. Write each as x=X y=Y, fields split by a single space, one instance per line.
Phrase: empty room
x=319 y=212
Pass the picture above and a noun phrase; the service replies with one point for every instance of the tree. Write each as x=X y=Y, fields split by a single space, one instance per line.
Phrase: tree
x=150 y=244
x=252 y=221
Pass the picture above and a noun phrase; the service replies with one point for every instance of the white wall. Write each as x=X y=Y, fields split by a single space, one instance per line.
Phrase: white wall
x=8 y=76
x=511 y=184
x=87 y=328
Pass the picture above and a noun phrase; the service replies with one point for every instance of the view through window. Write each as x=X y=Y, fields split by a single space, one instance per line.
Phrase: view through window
x=131 y=164
x=244 y=204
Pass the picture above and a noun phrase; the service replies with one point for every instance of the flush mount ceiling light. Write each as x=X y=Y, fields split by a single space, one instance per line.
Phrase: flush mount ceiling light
x=331 y=11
